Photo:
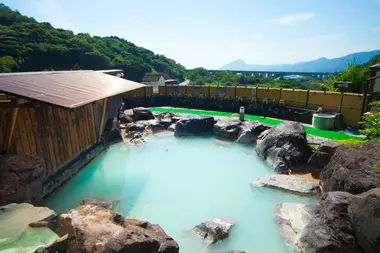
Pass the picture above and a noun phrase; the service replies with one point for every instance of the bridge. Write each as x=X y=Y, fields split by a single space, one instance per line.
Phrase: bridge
x=322 y=76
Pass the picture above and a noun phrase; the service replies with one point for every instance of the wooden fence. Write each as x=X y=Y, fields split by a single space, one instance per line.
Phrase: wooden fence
x=351 y=107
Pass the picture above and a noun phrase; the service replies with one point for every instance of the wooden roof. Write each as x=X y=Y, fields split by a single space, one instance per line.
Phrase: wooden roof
x=69 y=89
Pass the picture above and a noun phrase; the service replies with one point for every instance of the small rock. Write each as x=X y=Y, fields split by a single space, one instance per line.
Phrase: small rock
x=291 y=184
x=141 y=113
x=213 y=231
x=249 y=131
x=158 y=127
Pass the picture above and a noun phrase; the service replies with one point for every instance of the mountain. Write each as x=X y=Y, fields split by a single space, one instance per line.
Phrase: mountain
x=27 y=45
x=319 y=65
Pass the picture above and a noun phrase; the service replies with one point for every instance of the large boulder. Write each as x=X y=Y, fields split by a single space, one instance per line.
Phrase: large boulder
x=353 y=168
x=364 y=213
x=142 y=113
x=284 y=147
x=249 y=131
x=291 y=184
x=321 y=157
x=112 y=133
x=194 y=125
x=92 y=228
x=21 y=179
x=227 y=128
x=325 y=227
x=213 y=231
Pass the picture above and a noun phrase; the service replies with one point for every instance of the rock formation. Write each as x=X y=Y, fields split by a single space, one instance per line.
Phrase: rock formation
x=227 y=128
x=141 y=113
x=364 y=213
x=284 y=147
x=353 y=168
x=321 y=157
x=94 y=229
x=21 y=179
x=324 y=227
x=213 y=231
x=194 y=125
x=291 y=184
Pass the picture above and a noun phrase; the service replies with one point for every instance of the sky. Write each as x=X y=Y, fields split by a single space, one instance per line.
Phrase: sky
x=212 y=33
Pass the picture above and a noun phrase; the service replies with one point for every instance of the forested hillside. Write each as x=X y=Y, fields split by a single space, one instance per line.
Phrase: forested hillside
x=27 y=45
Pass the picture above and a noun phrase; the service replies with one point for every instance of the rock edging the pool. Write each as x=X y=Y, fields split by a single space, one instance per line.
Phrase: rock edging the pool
x=92 y=228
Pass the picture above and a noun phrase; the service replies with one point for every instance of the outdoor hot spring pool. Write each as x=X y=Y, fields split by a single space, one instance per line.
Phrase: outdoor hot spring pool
x=179 y=183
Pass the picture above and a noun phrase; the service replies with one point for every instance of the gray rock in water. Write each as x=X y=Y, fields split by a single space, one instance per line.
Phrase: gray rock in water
x=364 y=213
x=95 y=229
x=284 y=147
x=324 y=227
x=249 y=131
x=321 y=157
x=107 y=204
x=142 y=113
x=194 y=125
x=213 y=231
x=353 y=168
x=291 y=184
x=227 y=128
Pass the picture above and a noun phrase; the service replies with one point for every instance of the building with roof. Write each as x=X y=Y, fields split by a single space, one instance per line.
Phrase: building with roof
x=374 y=81
x=59 y=117
x=155 y=78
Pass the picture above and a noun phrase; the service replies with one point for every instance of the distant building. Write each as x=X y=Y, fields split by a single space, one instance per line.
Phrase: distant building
x=374 y=81
x=173 y=82
x=155 y=78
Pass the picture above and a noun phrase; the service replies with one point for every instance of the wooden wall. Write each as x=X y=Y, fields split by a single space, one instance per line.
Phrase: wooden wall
x=53 y=133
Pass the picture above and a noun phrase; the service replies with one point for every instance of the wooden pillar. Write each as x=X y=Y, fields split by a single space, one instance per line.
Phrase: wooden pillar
x=14 y=112
x=104 y=109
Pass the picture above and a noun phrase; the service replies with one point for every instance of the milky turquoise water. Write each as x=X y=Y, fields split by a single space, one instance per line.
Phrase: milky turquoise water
x=179 y=183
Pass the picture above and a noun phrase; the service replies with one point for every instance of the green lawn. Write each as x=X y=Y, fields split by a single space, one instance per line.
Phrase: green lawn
x=333 y=135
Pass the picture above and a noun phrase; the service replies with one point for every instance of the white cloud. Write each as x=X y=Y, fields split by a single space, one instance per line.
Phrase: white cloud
x=319 y=38
x=293 y=19
x=137 y=16
x=259 y=36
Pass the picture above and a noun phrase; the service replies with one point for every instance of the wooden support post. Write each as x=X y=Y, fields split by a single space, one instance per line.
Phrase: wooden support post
x=307 y=98
x=104 y=109
x=14 y=112
x=340 y=102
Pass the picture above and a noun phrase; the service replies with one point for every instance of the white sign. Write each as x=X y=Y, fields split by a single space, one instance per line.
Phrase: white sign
x=156 y=90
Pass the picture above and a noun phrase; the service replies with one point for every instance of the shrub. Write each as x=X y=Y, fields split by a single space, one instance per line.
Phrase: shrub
x=371 y=122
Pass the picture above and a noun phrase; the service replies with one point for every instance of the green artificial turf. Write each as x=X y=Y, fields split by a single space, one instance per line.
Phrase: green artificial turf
x=333 y=135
